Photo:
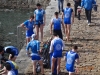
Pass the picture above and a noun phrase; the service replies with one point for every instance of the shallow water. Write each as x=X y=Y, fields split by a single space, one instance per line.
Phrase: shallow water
x=9 y=20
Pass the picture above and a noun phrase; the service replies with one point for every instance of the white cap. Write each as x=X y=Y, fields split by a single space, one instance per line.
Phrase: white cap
x=33 y=36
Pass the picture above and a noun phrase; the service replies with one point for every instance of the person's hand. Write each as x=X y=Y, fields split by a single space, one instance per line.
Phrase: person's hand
x=27 y=29
x=50 y=32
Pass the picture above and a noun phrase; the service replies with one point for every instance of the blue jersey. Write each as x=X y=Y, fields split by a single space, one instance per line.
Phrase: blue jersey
x=34 y=45
x=57 y=46
x=67 y=13
x=71 y=56
x=39 y=14
x=56 y=23
x=14 y=50
x=13 y=67
x=29 y=25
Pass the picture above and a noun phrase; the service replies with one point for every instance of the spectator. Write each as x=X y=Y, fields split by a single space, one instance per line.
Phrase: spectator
x=60 y=5
x=76 y=4
x=67 y=14
x=71 y=57
x=34 y=45
x=29 y=26
x=56 y=23
x=87 y=4
x=56 y=47
x=39 y=15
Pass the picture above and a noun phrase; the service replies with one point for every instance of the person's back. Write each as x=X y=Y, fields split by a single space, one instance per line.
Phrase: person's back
x=87 y=4
x=71 y=57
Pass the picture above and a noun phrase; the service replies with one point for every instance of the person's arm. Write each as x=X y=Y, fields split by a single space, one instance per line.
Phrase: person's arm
x=94 y=2
x=82 y=3
x=2 y=71
x=38 y=47
x=44 y=16
x=35 y=15
x=63 y=26
x=77 y=59
x=51 y=47
x=72 y=16
x=63 y=15
x=51 y=24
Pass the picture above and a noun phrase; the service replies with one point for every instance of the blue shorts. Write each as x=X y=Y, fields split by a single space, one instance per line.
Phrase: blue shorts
x=16 y=71
x=39 y=23
x=35 y=57
x=28 y=35
x=57 y=55
x=67 y=21
x=70 y=69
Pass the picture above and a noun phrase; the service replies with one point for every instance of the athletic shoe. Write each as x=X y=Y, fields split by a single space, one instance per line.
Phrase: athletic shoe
x=88 y=24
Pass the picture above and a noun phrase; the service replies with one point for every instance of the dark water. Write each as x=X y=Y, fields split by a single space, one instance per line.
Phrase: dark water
x=9 y=20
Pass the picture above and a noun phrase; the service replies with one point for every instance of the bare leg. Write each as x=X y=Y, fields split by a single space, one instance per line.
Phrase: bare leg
x=58 y=65
x=53 y=64
x=41 y=65
x=28 y=40
x=37 y=31
x=71 y=73
x=41 y=30
x=68 y=30
x=34 y=67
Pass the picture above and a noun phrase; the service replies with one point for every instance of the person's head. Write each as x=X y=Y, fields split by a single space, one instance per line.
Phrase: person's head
x=68 y=4
x=75 y=48
x=55 y=34
x=56 y=14
x=1 y=49
x=38 y=5
x=31 y=17
x=7 y=66
x=34 y=37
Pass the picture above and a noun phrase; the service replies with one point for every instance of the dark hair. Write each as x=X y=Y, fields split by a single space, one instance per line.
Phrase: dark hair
x=38 y=4
x=56 y=13
x=55 y=34
x=8 y=50
x=1 y=48
x=32 y=16
x=68 y=4
x=75 y=47
x=8 y=66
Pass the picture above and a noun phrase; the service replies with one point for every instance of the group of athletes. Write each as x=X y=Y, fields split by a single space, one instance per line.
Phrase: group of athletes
x=57 y=45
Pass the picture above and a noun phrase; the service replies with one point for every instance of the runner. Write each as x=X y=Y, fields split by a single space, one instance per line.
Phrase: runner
x=34 y=44
x=39 y=15
x=56 y=47
x=71 y=57
x=67 y=13
x=29 y=26
x=56 y=23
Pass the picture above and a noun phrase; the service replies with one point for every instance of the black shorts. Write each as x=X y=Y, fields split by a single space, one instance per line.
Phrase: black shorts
x=59 y=32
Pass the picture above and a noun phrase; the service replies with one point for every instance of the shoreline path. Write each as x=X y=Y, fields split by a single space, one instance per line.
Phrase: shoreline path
x=87 y=38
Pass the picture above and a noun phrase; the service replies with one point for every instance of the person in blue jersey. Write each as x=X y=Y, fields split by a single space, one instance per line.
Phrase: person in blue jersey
x=56 y=47
x=12 y=51
x=8 y=69
x=29 y=26
x=56 y=23
x=71 y=57
x=67 y=14
x=34 y=45
x=14 y=66
x=40 y=18
x=88 y=4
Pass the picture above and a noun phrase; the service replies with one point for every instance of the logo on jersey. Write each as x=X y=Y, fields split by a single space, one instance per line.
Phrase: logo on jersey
x=69 y=61
x=58 y=47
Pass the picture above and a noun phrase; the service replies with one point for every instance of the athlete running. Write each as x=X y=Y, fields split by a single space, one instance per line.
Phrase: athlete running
x=67 y=13
x=71 y=57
